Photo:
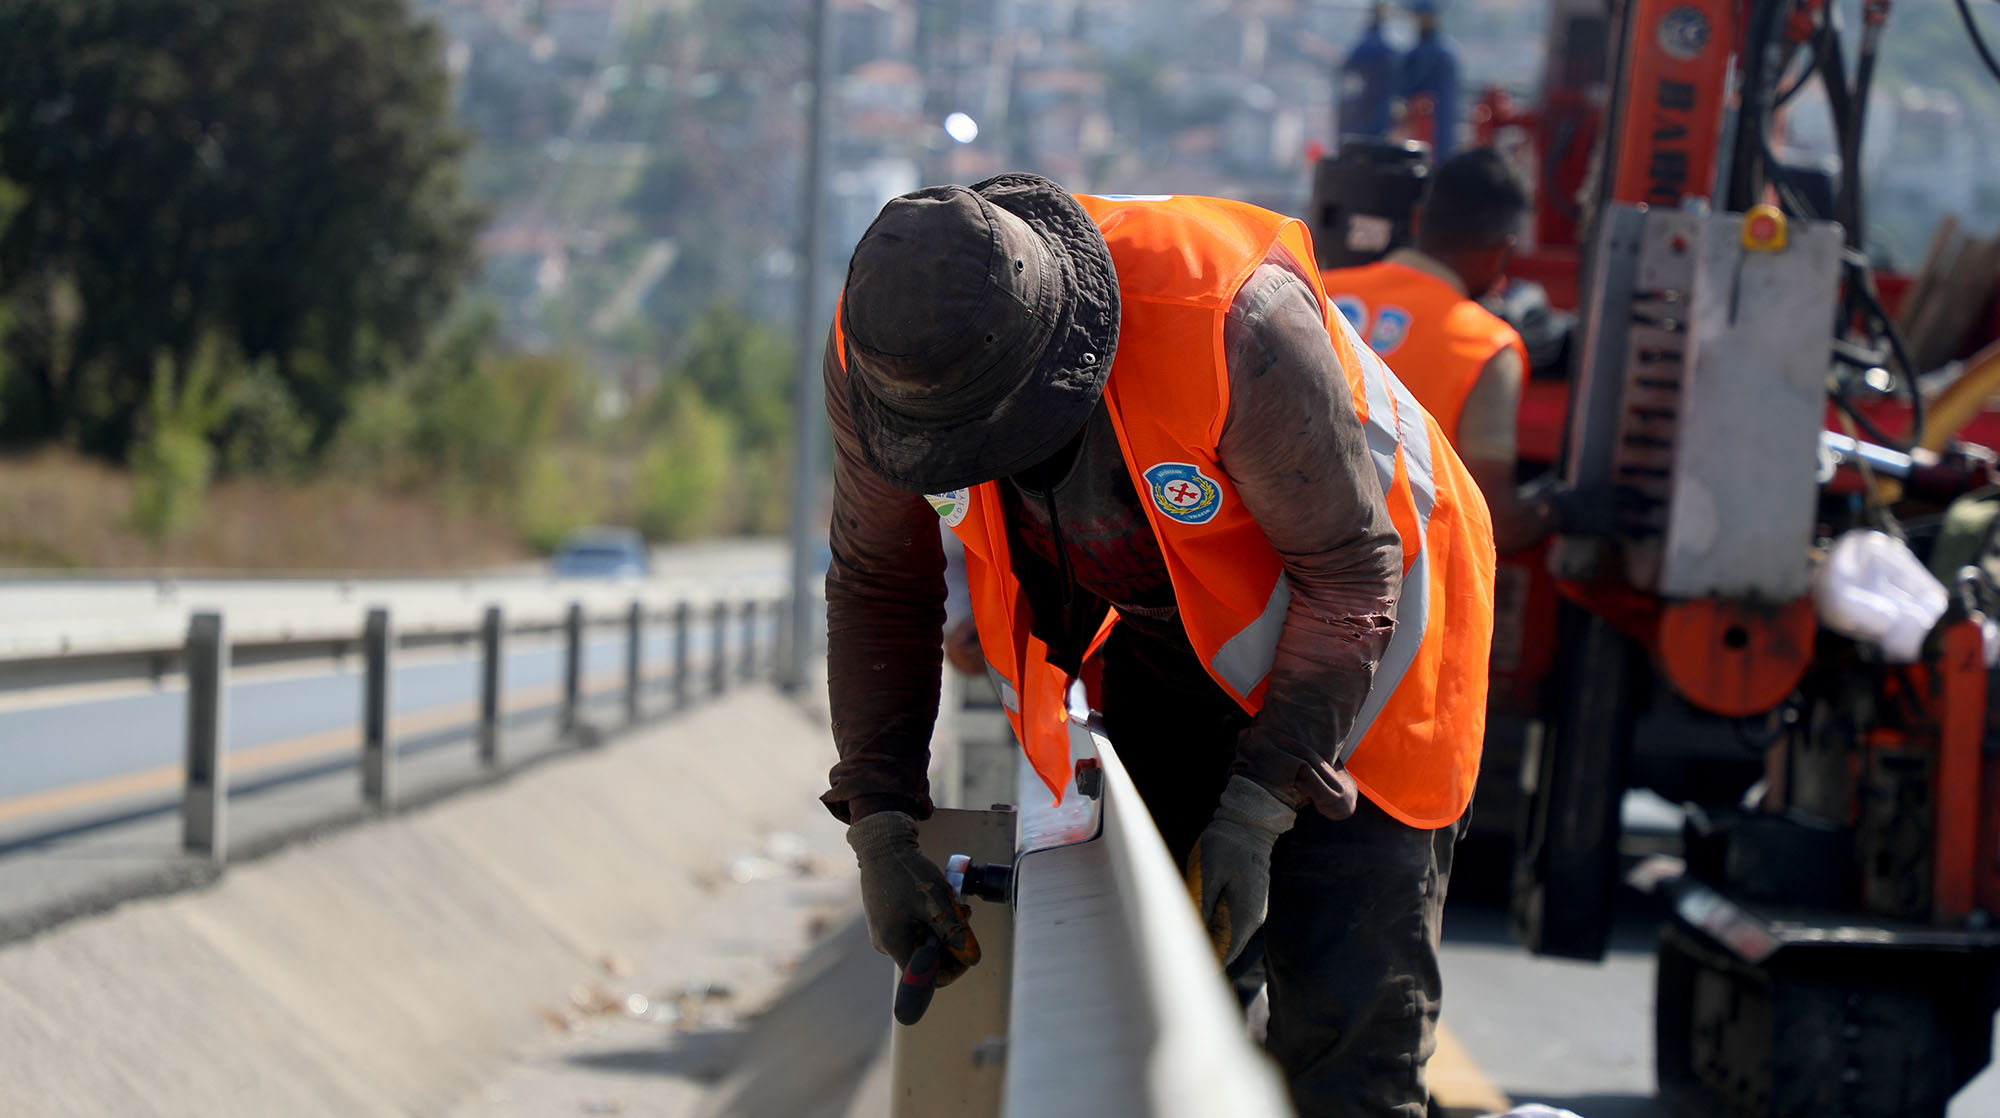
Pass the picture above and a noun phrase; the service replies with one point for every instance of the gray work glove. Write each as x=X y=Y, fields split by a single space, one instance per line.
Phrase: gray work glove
x=906 y=896
x=1229 y=873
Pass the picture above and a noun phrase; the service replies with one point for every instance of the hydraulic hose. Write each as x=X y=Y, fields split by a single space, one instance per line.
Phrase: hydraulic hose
x=1978 y=40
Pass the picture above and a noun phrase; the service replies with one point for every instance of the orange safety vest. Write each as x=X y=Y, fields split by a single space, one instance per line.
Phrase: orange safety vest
x=1180 y=260
x=1436 y=339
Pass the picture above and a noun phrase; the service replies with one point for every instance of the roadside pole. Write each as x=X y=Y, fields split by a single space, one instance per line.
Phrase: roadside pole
x=808 y=422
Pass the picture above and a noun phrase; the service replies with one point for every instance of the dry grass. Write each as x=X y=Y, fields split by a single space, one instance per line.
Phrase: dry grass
x=60 y=510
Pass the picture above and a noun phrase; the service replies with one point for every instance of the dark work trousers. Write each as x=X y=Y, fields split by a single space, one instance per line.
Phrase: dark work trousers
x=1350 y=944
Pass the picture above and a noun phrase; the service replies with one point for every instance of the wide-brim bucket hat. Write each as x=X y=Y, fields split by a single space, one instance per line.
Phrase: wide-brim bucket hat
x=980 y=324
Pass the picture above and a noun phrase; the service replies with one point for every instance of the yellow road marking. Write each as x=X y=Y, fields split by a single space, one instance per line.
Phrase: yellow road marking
x=302 y=748
x=1457 y=1084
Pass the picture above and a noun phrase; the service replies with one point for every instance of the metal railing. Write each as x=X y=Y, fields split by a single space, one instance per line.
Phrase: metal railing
x=210 y=651
x=1098 y=993
x=1147 y=1026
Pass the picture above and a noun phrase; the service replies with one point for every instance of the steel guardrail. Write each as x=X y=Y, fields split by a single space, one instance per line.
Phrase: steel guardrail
x=1119 y=1009
x=737 y=615
x=1098 y=994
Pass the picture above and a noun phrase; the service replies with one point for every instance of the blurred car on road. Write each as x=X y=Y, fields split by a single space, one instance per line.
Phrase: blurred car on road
x=602 y=553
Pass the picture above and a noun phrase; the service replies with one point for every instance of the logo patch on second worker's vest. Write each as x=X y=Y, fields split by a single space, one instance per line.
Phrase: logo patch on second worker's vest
x=1392 y=325
x=1353 y=310
x=1184 y=493
x=951 y=507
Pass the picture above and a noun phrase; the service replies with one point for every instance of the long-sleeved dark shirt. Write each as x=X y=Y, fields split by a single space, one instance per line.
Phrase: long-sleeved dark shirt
x=1298 y=459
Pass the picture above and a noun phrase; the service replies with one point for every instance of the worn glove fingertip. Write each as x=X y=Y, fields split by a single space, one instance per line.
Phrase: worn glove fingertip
x=1221 y=930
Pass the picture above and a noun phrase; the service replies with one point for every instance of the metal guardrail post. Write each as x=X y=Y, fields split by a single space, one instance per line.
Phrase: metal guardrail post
x=989 y=760
x=683 y=638
x=781 y=611
x=952 y=1061
x=572 y=681
x=718 y=660
x=492 y=653
x=378 y=751
x=750 y=612
x=635 y=653
x=205 y=794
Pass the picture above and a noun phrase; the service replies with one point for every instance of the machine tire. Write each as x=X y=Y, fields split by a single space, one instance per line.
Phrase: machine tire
x=1573 y=783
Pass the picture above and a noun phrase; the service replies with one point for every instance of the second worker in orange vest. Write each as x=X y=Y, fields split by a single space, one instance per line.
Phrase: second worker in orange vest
x=1418 y=309
x=1152 y=435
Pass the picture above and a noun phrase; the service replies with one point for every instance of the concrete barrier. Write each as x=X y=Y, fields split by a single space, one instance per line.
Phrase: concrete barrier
x=384 y=969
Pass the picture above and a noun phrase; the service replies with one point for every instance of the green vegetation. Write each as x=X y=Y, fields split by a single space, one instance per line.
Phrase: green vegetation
x=236 y=238
x=171 y=455
x=280 y=177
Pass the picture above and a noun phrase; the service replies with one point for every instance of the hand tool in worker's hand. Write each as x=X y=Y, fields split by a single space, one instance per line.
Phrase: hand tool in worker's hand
x=920 y=979
x=907 y=898
x=919 y=982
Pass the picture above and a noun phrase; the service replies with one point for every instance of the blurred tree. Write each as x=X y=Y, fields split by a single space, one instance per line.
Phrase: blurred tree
x=261 y=434
x=171 y=458
x=280 y=173
x=10 y=200
x=464 y=419
x=684 y=474
x=743 y=368
x=560 y=493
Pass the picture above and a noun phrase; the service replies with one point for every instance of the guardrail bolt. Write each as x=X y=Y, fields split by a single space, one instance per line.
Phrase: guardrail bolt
x=1089 y=777
x=990 y=1052
x=205 y=792
x=378 y=752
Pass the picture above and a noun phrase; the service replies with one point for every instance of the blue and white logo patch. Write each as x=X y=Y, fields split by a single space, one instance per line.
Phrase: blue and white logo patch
x=1353 y=310
x=951 y=507
x=1184 y=493
x=1392 y=326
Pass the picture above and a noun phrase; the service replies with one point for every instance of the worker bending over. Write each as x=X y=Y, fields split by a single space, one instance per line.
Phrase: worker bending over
x=1418 y=310
x=1143 y=411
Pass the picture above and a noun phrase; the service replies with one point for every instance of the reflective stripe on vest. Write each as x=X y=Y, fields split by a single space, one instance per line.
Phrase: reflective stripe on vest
x=1385 y=395
x=1245 y=659
x=1438 y=340
x=1009 y=698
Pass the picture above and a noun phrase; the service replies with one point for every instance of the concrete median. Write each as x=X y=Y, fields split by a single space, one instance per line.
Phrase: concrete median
x=388 y=968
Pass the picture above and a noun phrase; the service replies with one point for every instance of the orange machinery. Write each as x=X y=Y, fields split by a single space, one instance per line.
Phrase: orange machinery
x=1832 y=946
